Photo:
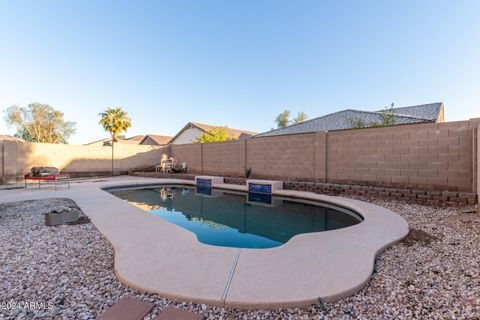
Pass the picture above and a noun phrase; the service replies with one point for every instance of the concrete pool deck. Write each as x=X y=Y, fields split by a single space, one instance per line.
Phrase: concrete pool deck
x=157 y=256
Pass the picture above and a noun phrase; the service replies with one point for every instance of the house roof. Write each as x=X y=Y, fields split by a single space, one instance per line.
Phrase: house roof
x=161 y=140
x=231 y=133
x=96 y=141
x=341 y=120
x=131 y=140
x=136 y=138
x=5 y=137
x=429 y=111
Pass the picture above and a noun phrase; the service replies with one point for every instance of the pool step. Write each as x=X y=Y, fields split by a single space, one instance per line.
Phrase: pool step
x=264 y=186
x=208 y=181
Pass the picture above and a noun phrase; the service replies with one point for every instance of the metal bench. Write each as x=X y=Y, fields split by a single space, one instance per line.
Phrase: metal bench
x=51 y=177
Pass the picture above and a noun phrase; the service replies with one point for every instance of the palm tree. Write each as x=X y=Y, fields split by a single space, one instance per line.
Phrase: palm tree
x=115 y=121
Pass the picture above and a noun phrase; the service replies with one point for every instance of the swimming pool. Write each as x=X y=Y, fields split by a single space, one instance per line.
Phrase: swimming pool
x=237 y=219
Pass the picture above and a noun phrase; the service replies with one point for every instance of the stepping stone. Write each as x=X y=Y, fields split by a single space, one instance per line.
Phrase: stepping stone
x=171 y=313
x=127 y=309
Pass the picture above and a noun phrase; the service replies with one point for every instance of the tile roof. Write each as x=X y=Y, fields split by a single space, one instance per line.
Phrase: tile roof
x=340 y=120
x=426 y=111
x=98 y=141
x=136 y=138
x=232 y=133
x=107 y=141
x=161 y=140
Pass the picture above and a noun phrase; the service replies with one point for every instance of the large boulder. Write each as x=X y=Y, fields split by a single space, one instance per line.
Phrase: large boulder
x=43 y=171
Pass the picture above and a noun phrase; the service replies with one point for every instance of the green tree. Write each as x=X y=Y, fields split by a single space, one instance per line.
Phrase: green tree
x=386 y=117
x=115 y=121
x=301 y=117
x=356 y=123
x=214 y=135
x=283 y=119
x=39 y=123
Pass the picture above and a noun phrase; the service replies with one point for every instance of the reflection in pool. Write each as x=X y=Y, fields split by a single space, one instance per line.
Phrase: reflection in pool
x=235 y=219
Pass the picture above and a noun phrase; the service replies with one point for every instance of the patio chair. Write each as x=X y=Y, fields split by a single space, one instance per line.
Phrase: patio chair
x=168 y=165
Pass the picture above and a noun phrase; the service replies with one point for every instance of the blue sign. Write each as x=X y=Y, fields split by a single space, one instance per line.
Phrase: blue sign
x=259 y=188
x=260 y=197
x=205 y=183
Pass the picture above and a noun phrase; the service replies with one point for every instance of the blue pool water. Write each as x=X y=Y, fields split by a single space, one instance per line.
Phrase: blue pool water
x=235 y=219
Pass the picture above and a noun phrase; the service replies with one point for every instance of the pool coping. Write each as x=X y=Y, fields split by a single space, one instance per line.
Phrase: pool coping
x=160 y=257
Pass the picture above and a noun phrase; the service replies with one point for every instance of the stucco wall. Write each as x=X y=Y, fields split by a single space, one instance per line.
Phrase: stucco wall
x=20 y=157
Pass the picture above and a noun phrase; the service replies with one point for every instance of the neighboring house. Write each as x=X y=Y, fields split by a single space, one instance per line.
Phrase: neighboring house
x=98 y=142
x=136 y=139
x=155 y=140
x=194 y=129
x=342 y=120
x=108 y=141
x=4 y=137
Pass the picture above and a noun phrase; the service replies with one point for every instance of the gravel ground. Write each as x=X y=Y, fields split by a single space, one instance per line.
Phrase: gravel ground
x=433 y=274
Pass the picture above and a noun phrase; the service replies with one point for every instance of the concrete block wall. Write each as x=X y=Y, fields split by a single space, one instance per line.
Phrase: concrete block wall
x=321 y=152
x=189 y=153
x=433 y=156
x=224 y=158
x=289 y=157
x=438 y=156
x=19 y=157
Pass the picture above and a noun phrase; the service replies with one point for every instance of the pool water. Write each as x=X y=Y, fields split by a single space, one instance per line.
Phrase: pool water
x=235 y=219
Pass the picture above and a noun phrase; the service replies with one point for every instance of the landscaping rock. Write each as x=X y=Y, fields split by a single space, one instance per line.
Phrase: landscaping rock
x=43 y=171
x=71 y=266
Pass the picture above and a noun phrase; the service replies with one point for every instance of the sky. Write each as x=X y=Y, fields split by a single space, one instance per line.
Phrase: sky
x=236 y=63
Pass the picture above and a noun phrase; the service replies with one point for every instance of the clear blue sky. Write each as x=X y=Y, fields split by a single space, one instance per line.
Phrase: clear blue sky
x=236 y=63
